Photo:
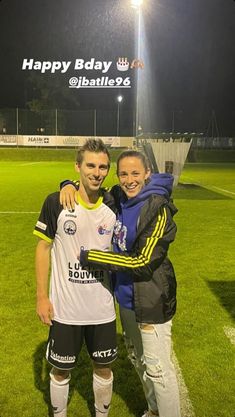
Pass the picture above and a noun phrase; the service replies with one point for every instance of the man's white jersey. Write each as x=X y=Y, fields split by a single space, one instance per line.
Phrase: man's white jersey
x=78 y=296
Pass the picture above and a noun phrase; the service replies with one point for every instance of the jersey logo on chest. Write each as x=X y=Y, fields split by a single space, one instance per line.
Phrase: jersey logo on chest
x=70 y=227
x=103 y=230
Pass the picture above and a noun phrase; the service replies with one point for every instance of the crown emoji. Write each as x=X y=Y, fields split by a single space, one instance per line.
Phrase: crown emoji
x=122 y=64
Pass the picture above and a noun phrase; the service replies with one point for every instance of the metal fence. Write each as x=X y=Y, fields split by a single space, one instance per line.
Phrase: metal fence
x=95 y=123
x=66 y=122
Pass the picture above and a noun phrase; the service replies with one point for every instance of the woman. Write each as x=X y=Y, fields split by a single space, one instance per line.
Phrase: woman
x=145 y=284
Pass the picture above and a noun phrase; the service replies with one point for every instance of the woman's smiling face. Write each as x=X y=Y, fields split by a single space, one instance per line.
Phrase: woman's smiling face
x=132 y=175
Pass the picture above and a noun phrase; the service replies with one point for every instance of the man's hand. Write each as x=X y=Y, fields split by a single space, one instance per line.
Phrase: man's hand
x=45 y=311
x=67 y=197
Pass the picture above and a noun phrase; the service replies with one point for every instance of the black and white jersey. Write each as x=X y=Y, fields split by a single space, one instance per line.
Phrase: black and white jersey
x=79 y=297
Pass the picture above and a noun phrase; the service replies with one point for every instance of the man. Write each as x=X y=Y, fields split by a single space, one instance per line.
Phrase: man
x=80 y=306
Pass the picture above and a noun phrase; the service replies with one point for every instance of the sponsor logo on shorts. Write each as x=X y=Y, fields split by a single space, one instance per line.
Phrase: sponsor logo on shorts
x=105 y=353
x=70 y=227
x=62 y=359
x=41 y=225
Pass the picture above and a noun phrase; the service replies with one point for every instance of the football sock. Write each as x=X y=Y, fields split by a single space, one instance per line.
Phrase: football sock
x=103 y=389
x=59 y=395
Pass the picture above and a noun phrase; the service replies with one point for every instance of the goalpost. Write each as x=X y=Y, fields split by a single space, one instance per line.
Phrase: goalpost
x=166 y=155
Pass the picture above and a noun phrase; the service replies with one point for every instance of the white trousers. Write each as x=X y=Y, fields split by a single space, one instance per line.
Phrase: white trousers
x=149 y=349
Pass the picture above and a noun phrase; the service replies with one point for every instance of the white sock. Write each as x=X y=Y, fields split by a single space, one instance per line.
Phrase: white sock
x=59 y=395
x=103 y=389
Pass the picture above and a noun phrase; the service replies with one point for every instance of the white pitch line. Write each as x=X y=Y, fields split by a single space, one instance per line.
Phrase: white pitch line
x=19 y=212
x=30 y=163
x=222 y=189
x=185 y=403
x=210 y=186
x=230 y=333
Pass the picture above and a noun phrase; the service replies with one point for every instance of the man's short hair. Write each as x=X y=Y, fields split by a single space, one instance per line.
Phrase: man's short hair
x=92 y=145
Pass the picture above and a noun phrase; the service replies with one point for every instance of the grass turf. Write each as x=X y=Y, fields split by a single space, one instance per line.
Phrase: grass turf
x=203 y=256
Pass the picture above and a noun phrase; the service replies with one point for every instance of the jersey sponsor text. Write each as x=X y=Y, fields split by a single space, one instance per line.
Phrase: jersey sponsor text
x=82 y=276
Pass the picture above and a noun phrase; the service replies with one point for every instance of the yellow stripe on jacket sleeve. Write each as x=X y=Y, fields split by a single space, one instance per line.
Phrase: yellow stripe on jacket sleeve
x=157 y=234
x=42 y=236
x=143 y=258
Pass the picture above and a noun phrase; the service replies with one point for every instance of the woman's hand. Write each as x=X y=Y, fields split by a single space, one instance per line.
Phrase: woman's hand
x=67 y=197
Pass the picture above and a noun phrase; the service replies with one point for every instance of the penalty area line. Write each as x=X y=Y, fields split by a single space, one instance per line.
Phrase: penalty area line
x=186 y=406
x=222 y=189
x=208 y=187
x=230 y=333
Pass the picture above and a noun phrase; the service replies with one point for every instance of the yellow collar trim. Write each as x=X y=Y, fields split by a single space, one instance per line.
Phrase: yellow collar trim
x=88 y=206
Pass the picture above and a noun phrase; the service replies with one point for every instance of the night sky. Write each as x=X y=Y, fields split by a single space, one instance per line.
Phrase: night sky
x=191 y=46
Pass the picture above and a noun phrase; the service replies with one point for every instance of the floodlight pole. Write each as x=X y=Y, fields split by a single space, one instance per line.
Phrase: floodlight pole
x=137 y=83
x=136 y=4
x=95 y=122
x=173 y=121
x=17 y=121
x=119 y=100
x=56 y=122
x=118 y=118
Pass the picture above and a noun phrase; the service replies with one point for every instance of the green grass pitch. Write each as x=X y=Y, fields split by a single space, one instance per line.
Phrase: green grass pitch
x=203 y=256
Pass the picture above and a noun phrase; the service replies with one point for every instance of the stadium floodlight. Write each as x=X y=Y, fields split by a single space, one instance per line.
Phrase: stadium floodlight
x=136 y=4
x=119 y=99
